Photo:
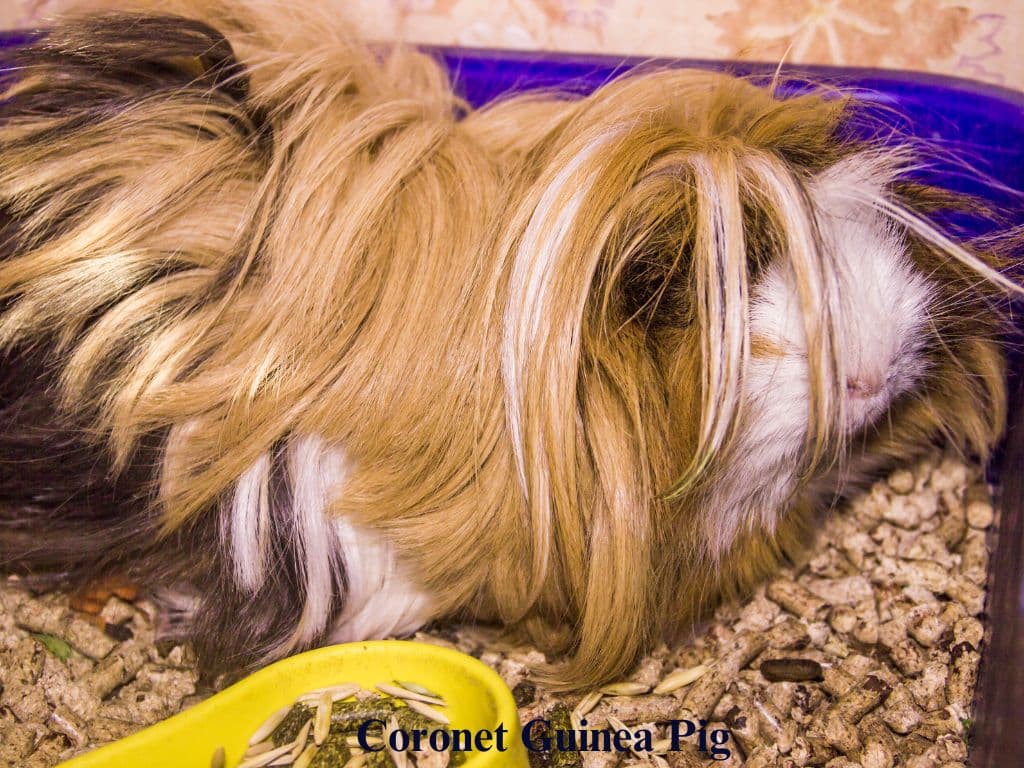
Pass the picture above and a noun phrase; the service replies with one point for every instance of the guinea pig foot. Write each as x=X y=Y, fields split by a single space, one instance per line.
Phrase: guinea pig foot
x=175 y=611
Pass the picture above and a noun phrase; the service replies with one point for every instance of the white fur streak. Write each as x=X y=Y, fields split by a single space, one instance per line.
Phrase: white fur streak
x=532 y=273
x=315 y=472
x=380 y=599
x=248 y=524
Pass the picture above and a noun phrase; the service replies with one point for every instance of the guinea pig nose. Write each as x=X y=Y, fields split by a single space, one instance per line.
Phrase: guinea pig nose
x=864 y=386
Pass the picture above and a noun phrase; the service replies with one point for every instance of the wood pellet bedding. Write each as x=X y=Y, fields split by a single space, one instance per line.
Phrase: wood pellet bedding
x=865 y=654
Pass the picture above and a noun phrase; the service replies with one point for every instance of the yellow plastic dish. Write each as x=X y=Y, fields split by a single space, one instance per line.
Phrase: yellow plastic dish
x=477 y=699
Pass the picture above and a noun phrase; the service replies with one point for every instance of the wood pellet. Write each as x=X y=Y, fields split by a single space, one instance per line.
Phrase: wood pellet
x=866 y=653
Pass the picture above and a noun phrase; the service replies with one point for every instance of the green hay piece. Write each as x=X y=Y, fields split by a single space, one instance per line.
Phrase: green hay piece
x=348 y=716
x=333 y=753
x=562 y=721
x=54 y=645
x=289 y=728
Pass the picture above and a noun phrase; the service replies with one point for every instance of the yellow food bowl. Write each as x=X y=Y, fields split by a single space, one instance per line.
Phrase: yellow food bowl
x=476 y=699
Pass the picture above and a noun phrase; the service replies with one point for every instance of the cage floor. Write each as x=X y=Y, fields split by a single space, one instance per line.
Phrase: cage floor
x=865 y=654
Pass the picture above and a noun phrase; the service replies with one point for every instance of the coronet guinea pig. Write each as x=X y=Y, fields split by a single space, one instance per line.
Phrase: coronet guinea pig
x=300 y=341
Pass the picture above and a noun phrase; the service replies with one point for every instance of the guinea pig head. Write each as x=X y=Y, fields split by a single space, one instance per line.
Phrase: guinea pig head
x=911 y=323
x=722 y=302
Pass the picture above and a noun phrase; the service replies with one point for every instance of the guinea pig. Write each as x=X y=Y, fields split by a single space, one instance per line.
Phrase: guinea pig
x=316 y=352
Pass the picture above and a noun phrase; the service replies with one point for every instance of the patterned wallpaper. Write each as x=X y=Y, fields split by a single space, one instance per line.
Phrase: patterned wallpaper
x=969 y=38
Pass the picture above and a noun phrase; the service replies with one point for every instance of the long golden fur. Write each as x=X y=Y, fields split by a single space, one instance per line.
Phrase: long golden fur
x=528 y=325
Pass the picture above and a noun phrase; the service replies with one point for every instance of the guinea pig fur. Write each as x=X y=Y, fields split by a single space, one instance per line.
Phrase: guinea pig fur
x=318 y=353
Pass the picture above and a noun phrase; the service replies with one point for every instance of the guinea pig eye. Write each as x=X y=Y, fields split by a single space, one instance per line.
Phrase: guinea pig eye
x=653 y=286
x=656 y=286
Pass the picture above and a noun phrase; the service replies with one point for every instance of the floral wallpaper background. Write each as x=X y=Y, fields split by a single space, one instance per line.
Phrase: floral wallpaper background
x=979 y=39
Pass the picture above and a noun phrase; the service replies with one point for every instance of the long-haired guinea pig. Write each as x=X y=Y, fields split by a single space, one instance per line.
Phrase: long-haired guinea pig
x=300 y=341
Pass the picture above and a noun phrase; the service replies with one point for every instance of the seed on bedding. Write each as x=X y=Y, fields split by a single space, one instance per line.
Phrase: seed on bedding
x=407 y=695
x=218 y=760
x=624 y=689
x=680 y=678
x=587 y=703
x=323 y=718
x=427 y=711
x=356 y=761
x=661 y=746
x=270 y=724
